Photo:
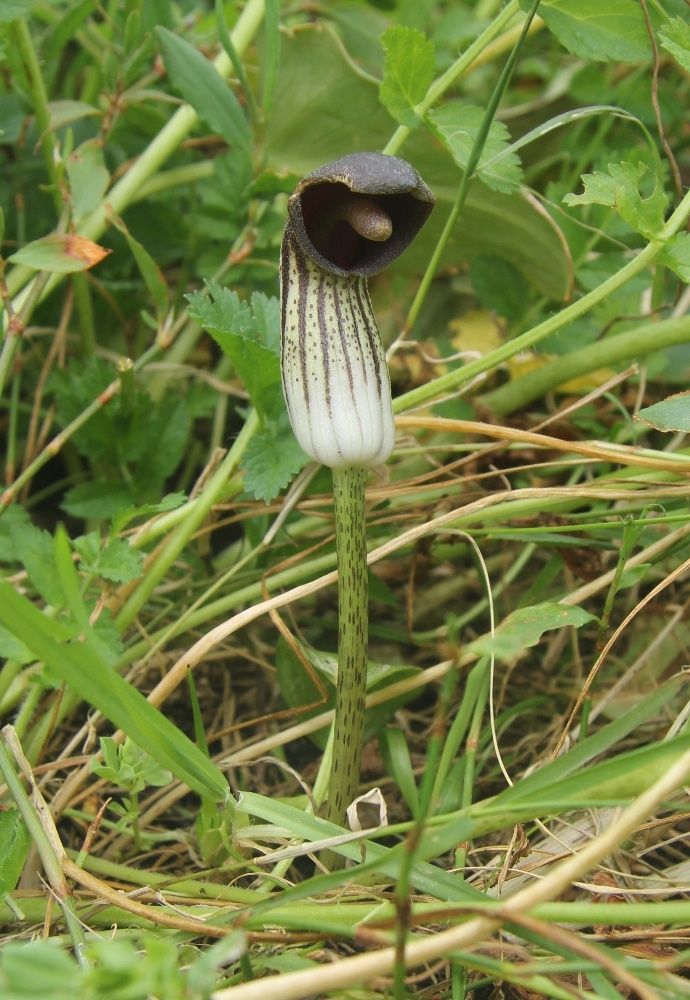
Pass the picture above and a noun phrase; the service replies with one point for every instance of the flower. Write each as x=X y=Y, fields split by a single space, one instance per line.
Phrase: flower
x=346 y=220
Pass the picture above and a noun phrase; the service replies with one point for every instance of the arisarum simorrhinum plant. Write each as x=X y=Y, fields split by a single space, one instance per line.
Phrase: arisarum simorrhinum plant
x=347 y=220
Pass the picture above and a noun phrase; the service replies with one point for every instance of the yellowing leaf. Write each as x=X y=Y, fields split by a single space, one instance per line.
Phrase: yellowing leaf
x=478 y=330
x=524 y=364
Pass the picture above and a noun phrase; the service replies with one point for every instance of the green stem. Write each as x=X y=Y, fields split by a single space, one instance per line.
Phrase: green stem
x=451 y=380
x=471 y=751
x=623 y=346
x=468 y=176
x=348 y=727
x=188 y=173
x=39 y=101
x=454 y=72
x=85 y=314
x=473 y=685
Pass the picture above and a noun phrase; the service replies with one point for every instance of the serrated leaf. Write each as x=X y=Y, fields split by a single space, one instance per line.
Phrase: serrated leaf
x=134 y=432
x=676 y=256
x=248 y=333
x=675 y=38
x=620 y=189
x=119 y=562
x=600 y=31
x=525 y=627
x=271 y=459
x=458 y=124
x=408 y=71
x=15 y=842
x=116 y=561
x=671 y=414
x=60 y=253
x=34 y=549
x=202 y=86
x=11 y=518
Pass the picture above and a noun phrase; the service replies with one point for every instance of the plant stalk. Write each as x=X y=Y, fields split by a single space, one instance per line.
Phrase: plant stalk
x=635 y=343
x=39 y=101
x=351 y=548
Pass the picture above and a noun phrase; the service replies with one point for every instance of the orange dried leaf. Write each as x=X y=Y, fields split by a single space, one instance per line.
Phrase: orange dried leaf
x=60 y=253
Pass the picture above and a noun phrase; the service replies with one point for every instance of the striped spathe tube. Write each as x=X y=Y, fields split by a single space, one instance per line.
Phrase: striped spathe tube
x=346 y=221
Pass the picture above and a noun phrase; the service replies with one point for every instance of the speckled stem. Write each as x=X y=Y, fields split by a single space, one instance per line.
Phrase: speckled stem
x=351 y=545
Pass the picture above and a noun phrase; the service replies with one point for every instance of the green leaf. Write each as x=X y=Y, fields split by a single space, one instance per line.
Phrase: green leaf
x=143 y=764
x=11 y=518
x=65 y=112
x=457 y=125
x=96 y=500
x=88 y=176
x=396 y=757
x=89 y=676
x=248 y=334
x=148 y=268
x=12 y=649
x=61 y=253
x=601 y=31
x=272 y=458
x=34 y=549
x=674 y=36
x=426 y=877
x=499 y=286
x=129 y=767
x=611 y=782
x=671 y=414
x=409 y=69
x=525 y=627
x=33 y=969
x=551 y=775
x=117 y=561
x=202 y=86
x=621 y=778
x=676 y=256
x=145 y=437
x=320 y=95
x=620 y=190
x=11 y=9
x=15 y=841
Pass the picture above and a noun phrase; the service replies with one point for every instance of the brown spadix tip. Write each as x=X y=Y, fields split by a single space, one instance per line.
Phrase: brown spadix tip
x=356 y=215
